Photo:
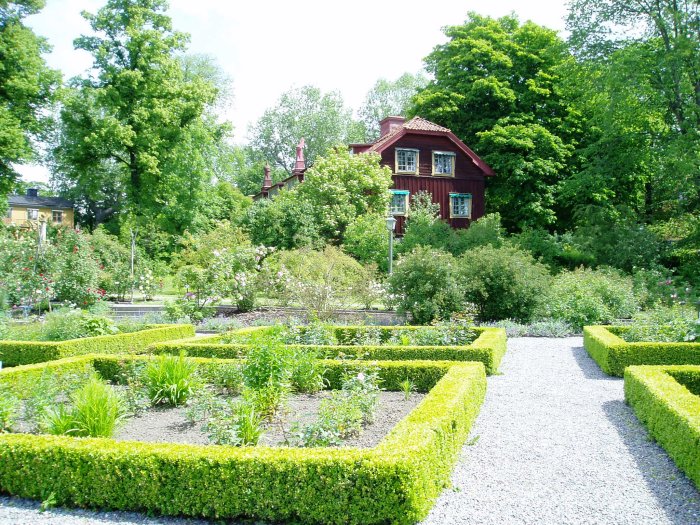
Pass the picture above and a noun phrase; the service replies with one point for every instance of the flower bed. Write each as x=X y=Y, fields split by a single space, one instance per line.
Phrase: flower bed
x=488 y=347
x=666 y=399
x=613 y=354
x=395 y=482
x=13 y=353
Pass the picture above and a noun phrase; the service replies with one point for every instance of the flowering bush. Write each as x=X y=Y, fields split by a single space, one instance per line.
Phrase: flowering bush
x=78 y=270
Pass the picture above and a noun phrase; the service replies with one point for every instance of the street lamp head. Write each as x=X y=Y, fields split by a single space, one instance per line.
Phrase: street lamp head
x=391 y=223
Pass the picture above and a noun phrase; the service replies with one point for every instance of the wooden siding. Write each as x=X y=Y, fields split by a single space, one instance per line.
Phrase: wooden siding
x=468 y=177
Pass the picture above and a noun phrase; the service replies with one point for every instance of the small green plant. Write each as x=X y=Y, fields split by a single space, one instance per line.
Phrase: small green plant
x=48 y=502
x=169 y=379
x=236 y=423
x=307 y=373
x=249 y=423
x=9 y=410
x=407 y=387
x=675 y=324
x=95 y=410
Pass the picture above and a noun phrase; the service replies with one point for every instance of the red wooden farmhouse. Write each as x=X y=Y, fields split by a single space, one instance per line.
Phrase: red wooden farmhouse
x=423 y=157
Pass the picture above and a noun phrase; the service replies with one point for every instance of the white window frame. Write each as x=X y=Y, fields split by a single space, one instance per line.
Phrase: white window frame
x=452 y=156
x=468 y=197
x=394 y=211
x=29 y=215
x=407 y=150
x=53 y=220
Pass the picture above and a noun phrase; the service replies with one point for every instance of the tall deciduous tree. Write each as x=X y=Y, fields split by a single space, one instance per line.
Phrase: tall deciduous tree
x=496 y=86
x=389 y=98
x=135 y=133
x=321 y=119
x=27 y=88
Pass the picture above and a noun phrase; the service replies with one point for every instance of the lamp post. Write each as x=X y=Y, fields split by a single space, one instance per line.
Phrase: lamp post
x=390 y=226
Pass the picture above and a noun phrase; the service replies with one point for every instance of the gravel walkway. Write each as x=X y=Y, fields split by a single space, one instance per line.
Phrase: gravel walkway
x=554 y=444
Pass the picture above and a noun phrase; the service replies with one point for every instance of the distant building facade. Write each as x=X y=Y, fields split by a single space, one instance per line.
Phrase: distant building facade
x=31 y=209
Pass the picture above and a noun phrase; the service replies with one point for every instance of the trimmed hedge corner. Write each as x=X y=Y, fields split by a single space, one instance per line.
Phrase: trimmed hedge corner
x=14 y=353
x=488 y=348
x=662 y=398
x=613 y=354
x=395 y=482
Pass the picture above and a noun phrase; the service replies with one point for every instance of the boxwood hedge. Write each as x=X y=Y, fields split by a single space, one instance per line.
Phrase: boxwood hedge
x=662 y=398
x=13 y=353
x=488 y=348
x=613 y=354
x=395 y=482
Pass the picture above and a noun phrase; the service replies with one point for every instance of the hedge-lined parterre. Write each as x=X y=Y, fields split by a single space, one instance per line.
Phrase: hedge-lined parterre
x=488 y=348
x=666 y=399
x=613 y=354
x=395 y=482
x=14 y=353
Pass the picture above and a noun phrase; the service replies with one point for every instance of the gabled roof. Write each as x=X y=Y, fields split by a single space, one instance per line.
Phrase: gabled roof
x=39 y=202
x=420 y=126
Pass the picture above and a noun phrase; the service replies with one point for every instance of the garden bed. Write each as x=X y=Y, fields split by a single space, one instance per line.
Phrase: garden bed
x=666 y=399
x=488 y=346
x=395 y=481
x=14 y=353
x=613 y=354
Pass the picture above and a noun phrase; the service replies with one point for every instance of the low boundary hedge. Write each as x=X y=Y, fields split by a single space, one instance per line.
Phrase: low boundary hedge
x=669 y=409
x=14 y=353
x=488 y=348
x=395 y=482
x=613 y=354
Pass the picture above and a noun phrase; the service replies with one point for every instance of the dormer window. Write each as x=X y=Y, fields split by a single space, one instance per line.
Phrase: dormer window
x=443 y=163
x=406 y=160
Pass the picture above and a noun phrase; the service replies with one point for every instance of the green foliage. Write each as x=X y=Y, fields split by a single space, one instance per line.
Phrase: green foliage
x=613 y=354
x=405 y=472
x=503 y=283
x=115 y=263
x=13 y=353
x=78 y=270
x=543 y=328
x=423 y=226
x=322 y=120
x=555 y=250
x=585 y=297
x=95 y=410
x=9 y=410
x=669 y=410
x=366 y=238
x=407 y=387
x=426 y=285
x=26 y=272
x=235 y=423
x=485 y=231
x=27 y=90
x=664 y=324
x=169 y=379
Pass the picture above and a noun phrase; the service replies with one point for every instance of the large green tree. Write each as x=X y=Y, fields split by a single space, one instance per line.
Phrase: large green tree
x=137 y=132
x=27 y=89
x=321 y=119
x=389 y=98
x=496 y=85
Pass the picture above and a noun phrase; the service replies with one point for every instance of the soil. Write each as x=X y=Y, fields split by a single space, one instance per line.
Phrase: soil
x=169 y=425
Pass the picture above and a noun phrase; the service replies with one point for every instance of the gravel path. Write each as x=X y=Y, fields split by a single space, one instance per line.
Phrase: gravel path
x=554 y=444
x=557 y=445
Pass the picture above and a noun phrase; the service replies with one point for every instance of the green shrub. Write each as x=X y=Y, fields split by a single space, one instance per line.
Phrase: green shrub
x=9 y=410
x=236 y=423
x=367 y=239
x=95 y=411
x=613 y=354
x=585 y=297
x=170 y=380
x=426 y=285
x=503 y=283
x=669 y=411
x=542 y=328
x=664 y=324
x=485 y=231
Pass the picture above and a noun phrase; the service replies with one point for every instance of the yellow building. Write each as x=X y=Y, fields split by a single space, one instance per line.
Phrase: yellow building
x=32 y=208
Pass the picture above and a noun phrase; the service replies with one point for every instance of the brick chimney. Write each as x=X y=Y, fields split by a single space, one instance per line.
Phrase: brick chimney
x=389 y=124
x=32 y=192
x=300 y=164
x=267 y=182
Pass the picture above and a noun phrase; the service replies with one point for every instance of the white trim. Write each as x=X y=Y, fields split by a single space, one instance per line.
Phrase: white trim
x=396 y=160
x=448 y=154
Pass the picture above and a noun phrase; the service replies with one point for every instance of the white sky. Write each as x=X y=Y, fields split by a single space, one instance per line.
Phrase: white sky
x=270 y=46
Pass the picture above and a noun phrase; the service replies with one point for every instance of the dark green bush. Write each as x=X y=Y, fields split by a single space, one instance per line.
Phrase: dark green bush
x=426 y=285
x=503 y=283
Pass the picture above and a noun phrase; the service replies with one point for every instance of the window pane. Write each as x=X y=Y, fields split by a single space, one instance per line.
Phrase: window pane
x=398 y=203
x=460 y=205
x=443 y=163
x=406 y=160
x=57 y=216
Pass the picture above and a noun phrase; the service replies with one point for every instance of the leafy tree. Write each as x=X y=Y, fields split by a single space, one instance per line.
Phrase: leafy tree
x=367 y=239
x=389 y=98
x=27 y=88
x=135 y=134
x=322 y=120
x=341 y=187
x=497 y=87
